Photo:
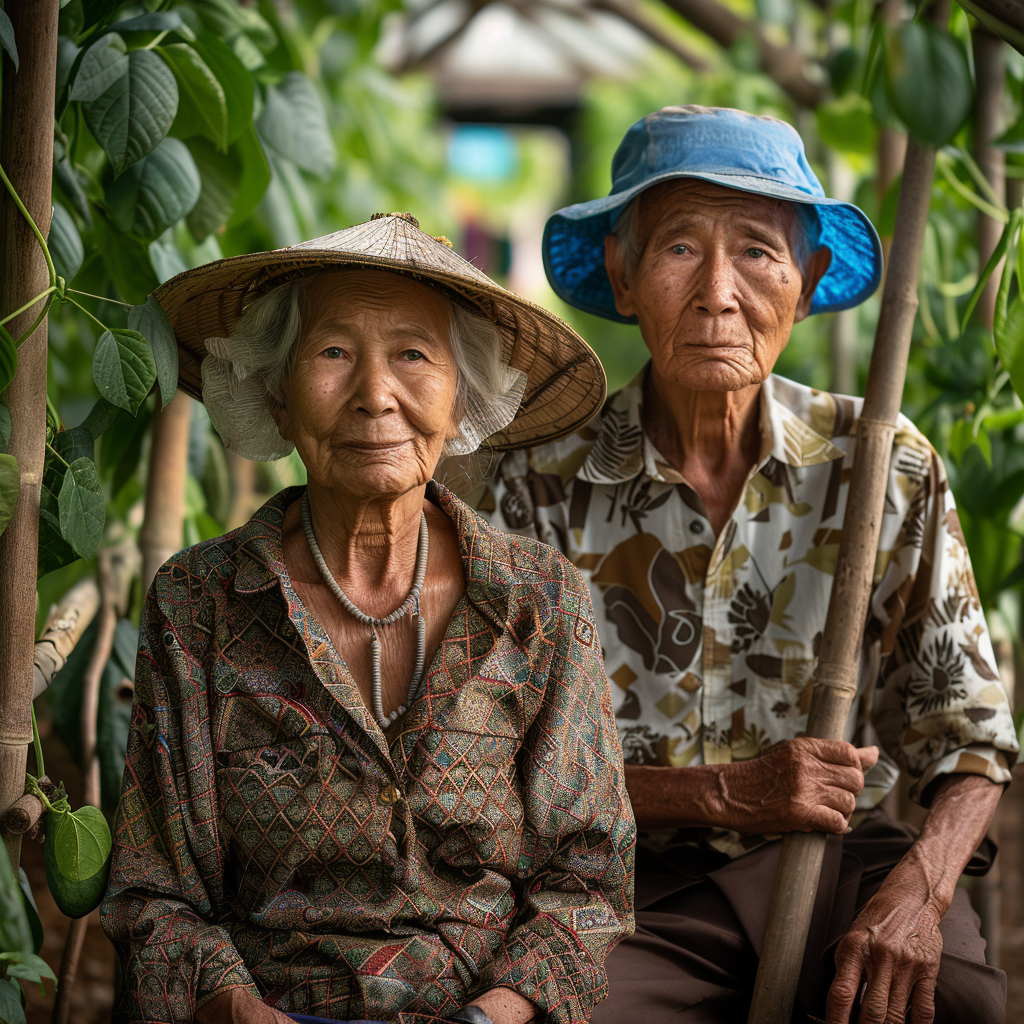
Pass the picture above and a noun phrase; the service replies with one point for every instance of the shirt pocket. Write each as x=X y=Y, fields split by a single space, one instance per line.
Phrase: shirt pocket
x=465 y=795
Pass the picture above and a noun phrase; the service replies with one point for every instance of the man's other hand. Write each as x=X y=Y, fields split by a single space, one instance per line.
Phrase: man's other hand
x=801 y=785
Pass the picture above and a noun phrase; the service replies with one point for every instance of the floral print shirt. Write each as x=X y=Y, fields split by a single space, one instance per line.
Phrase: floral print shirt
x=269 y=834
x=711 y=643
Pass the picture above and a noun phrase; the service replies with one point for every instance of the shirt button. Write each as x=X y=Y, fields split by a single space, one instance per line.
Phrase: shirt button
x=389 y=795
x=696 y=526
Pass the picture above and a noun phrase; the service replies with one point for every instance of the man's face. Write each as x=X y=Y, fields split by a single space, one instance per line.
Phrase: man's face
x=717 y=285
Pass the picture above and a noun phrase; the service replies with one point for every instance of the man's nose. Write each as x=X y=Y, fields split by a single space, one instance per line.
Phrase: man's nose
x=715 y=293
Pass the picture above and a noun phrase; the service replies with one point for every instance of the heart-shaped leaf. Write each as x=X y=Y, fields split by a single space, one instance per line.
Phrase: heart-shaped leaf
x=202 y=108
x=5 y=426
x=130 y=118
x=11 y=1011
x=65 y=244
x=234 y=78
x=81 y=842
x=103 y=64
x=846 y=124
x=294 y=124
x=151 y=322
x=1009 y=339
x=929 y=81
x=123 y=368
x=7 y=39
x=220 y=174
x=10 y=487
x=67 y=177
x=8 y=358
x=127 y=261
x=255 y=176
x=164 y=21
x=31 y=910
x=82 y=511
x=167 y=261
x=155 y=192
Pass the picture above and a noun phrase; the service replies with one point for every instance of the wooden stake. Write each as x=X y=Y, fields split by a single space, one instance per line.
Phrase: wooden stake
x=835 y=683
x=26 y=153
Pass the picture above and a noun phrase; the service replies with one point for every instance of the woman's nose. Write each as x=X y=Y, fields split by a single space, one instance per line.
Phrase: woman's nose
x=372 y=392
x=715 y=293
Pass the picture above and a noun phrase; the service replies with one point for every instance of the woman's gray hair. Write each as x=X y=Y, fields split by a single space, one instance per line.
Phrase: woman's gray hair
x=246 y=373
x=626 y=230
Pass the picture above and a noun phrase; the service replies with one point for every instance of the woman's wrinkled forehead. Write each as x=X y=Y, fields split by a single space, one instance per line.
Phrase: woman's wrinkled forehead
x=330 y=292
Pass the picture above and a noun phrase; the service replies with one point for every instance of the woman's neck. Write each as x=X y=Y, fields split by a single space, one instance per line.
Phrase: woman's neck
x=368 y=546
x=712 y=438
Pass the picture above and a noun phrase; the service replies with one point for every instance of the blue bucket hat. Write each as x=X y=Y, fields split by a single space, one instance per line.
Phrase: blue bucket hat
x=728 y=147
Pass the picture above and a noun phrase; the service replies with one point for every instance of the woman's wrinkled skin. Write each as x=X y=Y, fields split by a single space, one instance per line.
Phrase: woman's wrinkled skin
x=716 y=290
x=369 y=403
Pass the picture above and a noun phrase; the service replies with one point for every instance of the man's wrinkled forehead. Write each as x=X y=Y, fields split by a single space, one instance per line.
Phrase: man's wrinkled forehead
x=690 y=200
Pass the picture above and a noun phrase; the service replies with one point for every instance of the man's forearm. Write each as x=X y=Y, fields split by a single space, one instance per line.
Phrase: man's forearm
x=959 y=816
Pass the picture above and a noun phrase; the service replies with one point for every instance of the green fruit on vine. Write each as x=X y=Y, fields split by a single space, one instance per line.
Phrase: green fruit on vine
x=77 y=854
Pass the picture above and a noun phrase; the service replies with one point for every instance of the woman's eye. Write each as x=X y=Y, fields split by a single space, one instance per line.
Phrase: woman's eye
x=333 y=352
x=755 y=253
x=412 y=355
x=680 y=250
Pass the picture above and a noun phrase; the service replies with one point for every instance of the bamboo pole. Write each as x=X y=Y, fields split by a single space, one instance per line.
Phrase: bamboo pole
x=64 y=628
x=161 y=533
x=835 y=683
x=26 y=153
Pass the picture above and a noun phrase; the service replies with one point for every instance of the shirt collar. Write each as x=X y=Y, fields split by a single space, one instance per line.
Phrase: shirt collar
x=622 y=450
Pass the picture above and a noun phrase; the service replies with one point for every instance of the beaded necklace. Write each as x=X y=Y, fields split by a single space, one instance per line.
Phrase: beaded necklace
x=410 y=604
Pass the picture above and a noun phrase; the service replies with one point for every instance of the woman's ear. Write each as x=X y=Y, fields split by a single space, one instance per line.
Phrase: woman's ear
x=279 y=411
x=814 y=270
x=620 y=285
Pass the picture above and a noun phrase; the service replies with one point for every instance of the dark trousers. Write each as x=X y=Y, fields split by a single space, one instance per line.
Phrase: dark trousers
x=700 y=921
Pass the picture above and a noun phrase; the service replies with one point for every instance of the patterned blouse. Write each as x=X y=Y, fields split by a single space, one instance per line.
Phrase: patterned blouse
x=711 y=642
x=269 y=835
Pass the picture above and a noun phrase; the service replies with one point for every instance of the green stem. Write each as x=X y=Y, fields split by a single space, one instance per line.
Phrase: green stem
x=101 y=298
x=87 y=313
x=28 y=305
x=38 y=744
x=58 y=454
x=36 y=790
x=35 y=323
x=32 y=224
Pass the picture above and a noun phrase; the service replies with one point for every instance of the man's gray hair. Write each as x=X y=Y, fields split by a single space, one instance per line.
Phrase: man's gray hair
x=629 y=245
x=247 y=372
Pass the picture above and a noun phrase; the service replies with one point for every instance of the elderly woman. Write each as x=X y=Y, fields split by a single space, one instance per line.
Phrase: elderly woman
x=373 y=769
x=704 y=507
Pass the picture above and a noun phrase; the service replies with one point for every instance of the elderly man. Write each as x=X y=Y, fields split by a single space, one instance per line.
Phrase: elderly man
x=705 y=506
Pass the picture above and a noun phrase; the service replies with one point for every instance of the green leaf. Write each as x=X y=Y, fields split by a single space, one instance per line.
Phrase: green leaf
x=104 y=63
x=15 y=934
x=164 y=21
x=74 y=443
x=11 y=1010
x=7 y=39
x=202 y=108
x=101 y=415
x=134 y=114
x=255 y=176
x=166 y=259
x=10 y=488
x=847 y=124
x=151 y=322
x=929 y=81
x=81 y=842
x=30 y=967
x=54 y=550
x=294 y=124
x=127 y=262
x=997 y=254
x=5 y=426
x=123 y=368
x=31 y=910
x=220 y=174
x=82 y=510
x=1009 y=339
x=66 y=249
x=67 y=178
x=156 y=192
x=235 y=80
x=8 y=358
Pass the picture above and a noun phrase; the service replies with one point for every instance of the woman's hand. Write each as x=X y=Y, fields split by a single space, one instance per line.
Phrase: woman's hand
x=239 y=1006
x=895 y=946
x=801 y=785
x=506 y=1006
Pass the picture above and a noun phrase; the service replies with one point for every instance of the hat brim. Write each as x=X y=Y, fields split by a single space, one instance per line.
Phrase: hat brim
x=566 y=385
x=574 y=237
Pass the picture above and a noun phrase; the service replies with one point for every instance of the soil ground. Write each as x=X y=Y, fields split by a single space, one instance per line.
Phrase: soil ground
x=93 y=994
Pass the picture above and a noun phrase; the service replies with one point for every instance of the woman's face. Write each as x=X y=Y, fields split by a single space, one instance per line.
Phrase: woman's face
x=369 y=400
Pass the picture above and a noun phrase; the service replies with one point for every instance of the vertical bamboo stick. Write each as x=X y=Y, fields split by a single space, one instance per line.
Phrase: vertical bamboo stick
x=26 y=153
x=835 y=684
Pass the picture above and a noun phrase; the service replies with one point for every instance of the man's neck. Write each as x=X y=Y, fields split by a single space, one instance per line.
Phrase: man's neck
x=712 y=438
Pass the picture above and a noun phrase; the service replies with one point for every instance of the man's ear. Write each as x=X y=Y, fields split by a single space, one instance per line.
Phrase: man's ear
x=620 y=286
x=814 y=270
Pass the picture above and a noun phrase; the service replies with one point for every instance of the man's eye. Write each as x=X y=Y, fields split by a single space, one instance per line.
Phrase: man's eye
x=755 y=253
x=333 y=352
x=680 y=250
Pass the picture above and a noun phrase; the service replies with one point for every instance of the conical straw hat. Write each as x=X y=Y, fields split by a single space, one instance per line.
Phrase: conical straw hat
x=565 y=381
